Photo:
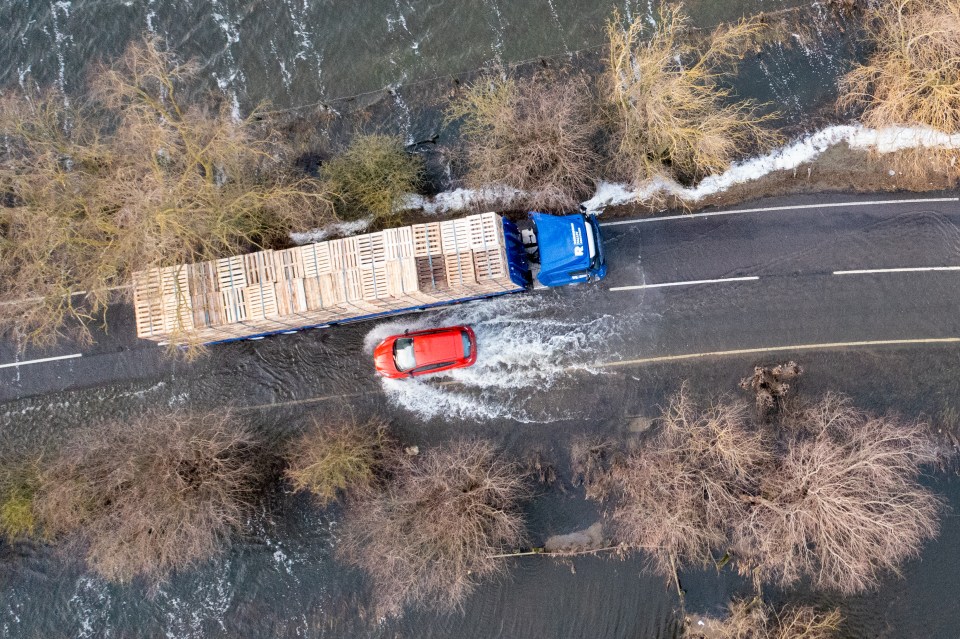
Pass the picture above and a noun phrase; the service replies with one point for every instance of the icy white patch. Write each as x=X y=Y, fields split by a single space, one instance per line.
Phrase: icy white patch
x=609 y=194
x=802 y=151
x=495 y=196
x=337 y=228
x=521 y=349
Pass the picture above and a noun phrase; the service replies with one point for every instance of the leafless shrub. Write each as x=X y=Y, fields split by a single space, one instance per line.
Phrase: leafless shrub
x=770 y=384
x=428 y=537
x=912 y=76
x=674 y=118
x=591 y=459
x=151 y=495
x=676 y=496
x=342 y=457
x=752 y=619
x=533 y=134
x=372 y=175
x=140 y=176
x=842 y=504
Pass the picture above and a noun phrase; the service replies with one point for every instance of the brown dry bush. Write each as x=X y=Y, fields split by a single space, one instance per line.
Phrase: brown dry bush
x=753 y=619
x=842 y=505
x=152 y=495
x=827 y=494
x=673 y=116
x=429 y=536
x=141 y=175
x=912 y=76
x=342 y=457
x=677 y=495
x=372 y=176
x=533 y=134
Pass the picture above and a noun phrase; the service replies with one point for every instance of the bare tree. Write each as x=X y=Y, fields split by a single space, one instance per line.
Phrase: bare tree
x=911 y=77
x=673 y=115
x=340 y=457
x=151 y=495
x=429 y=537
x=842 y=505
x=533 y=134
x=753 y=619
x=142 y=175
x=677 y=495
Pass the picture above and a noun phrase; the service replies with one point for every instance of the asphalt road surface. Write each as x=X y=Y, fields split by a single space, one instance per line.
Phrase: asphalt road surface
x=793 y=274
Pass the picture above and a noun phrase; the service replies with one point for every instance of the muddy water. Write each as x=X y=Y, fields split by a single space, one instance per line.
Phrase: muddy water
x=389 y=63
x=282 y=580
x=536 y=393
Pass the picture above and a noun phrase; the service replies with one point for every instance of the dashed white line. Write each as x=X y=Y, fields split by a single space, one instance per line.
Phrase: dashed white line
x=915 y=269
x=724 y=280
x=40 y=361
x=792 y=207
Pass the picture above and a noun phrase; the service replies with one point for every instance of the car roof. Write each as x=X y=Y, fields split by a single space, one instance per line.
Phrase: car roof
x=437 y=347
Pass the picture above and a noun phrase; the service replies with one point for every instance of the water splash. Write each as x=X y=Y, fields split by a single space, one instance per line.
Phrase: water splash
x=525 y=347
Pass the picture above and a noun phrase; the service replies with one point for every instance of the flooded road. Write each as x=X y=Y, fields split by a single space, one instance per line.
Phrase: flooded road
x=542 y=382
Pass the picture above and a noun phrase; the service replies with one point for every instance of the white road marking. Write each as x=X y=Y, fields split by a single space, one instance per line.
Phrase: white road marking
x=793 y=207
x=40 y=361
x=724 y=280
x=916 y=269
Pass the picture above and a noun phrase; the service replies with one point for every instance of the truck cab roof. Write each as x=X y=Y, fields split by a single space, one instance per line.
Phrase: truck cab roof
x=568 y=248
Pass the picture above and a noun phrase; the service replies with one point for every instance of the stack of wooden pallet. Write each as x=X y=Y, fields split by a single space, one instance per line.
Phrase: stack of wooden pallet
x=315 y=284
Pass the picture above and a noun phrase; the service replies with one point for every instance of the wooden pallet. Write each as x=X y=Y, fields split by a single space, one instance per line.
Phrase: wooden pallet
x=323 y=282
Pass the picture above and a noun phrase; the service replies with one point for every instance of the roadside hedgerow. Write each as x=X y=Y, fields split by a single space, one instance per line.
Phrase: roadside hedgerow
x=372 y=176
x=673 y=117
x=533 y=134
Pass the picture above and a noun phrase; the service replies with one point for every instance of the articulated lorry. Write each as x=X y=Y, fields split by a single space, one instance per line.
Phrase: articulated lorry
x=249 y=297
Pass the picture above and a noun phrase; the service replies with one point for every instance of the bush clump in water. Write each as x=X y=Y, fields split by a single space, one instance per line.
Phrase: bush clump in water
x=827 y=494
x=672 y=116
x=145 y=497
x=534 y=134
x=432 y=533
x=753 y=619
x=337 y=458
x=372 y=176
x=19 y=481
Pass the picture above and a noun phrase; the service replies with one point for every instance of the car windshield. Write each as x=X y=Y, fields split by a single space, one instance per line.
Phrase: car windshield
x=466 y=343
x=403 y=354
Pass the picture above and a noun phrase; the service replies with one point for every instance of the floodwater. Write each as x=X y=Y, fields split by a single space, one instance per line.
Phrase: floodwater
x=540 y=391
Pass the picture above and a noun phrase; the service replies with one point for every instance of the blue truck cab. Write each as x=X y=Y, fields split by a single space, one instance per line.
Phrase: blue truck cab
x=569 y=247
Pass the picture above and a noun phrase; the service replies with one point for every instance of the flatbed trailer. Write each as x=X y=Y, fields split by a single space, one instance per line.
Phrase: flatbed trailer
x=346 y=280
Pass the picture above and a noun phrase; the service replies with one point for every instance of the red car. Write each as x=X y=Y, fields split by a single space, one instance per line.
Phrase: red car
x=429 y=351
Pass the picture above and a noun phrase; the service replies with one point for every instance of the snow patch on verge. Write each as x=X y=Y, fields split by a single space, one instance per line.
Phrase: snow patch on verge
x=337 y=228
x=495 y=196
x=806 y=149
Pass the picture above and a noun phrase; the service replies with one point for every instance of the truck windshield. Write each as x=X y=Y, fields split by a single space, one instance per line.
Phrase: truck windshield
x=403 y=354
